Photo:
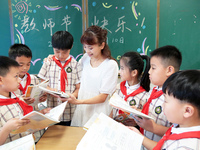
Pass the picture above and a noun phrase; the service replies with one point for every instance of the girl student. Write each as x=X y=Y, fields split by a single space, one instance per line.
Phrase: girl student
x=98 y=79
x=134 y=86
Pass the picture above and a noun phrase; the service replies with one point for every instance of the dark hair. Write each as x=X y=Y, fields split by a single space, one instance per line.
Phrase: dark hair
x=18 y=50
x=169 y=55
x=134 y=60
x=5 y=64
x=62 y=40
x=96 y=35
x=185 y=86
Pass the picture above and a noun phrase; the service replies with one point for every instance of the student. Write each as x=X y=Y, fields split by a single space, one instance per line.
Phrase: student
x=10 y=105
x=164 y=62
x=99 y=77
x=181 y=107
x=135 y=84
x=63 y=73
x=11 y=125
x=23 y=55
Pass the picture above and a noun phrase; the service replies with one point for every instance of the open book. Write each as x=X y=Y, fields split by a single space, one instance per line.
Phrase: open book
x=24 y=143
x=35 y=92
x=117 y=102
x=105 y=133
x=40 y=121
x=61 y=94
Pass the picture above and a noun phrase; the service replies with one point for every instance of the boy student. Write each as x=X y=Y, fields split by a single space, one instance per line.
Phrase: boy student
x=181 y=107
x=164 y=62
x=63 y=73
x=10 y=105
x=23 y=55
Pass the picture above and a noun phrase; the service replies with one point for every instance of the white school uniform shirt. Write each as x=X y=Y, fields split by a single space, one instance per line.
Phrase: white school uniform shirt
x=50 y=70
x=102 y=79
x=14 y=110
x=139 y=100
x=34 y=81
x=156 y=112
x=183 y=144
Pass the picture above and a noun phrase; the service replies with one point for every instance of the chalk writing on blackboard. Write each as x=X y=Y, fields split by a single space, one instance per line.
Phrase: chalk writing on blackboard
x=127 y=22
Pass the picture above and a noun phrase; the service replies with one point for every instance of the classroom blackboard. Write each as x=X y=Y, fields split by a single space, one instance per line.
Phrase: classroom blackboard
x=131 y=25
x=34 y=22
x=5 y=39
x=180 y=26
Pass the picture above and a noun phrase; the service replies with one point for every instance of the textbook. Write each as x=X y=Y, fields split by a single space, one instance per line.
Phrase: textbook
x=35 y=92
x=105 y=133
x=60 y=94
x=24 y=143
x=117 y=102
x=40 y=121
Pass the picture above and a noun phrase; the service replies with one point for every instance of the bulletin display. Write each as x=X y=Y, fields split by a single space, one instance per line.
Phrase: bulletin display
x=131 y=25
x=34 y=22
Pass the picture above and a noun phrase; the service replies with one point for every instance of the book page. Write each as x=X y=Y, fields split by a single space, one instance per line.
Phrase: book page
x=107 y=134
x=117 y=102
x=56 y=112
x=90 y=121
x=35 y=92
x=24 y=143
x=40 y=121
x=61 y=94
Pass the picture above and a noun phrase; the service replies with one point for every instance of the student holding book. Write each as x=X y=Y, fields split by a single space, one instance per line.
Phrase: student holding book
x=23 y=55
x=10 y=105
x=11 y=125
x=134 y=86
x=63 y=73
x=181 y=107
x=164 y=62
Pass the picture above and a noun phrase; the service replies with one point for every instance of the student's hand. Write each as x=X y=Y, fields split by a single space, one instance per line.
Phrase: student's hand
x=28 y=100
x=134 y=129
x=145 y=123
x=129 y=122
x=49 y=58
x=15 y=123
x=43 y=97
x=44 y=111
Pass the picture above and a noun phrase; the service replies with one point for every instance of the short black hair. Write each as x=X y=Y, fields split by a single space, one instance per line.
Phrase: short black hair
x=169 y=55
x=185 y=86
x=18 y=50
x=5 y=64
x=62 y=40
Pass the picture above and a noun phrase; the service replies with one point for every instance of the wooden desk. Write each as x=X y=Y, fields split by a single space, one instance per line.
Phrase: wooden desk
x=60 y=137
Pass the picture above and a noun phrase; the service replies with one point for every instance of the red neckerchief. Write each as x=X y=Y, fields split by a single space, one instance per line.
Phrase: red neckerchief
x=124 y=92
x=28 y=82
x=154 y=94
x=174 y=136
x=25 y=107
x=63 y=74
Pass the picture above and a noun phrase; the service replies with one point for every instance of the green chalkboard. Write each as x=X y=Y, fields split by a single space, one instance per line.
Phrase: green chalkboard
x=5 y=40
x=34 y=22
x=180 y=26
x=131 y=25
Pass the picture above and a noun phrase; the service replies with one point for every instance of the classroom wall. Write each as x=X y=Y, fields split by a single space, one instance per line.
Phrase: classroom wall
x=146 y=24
